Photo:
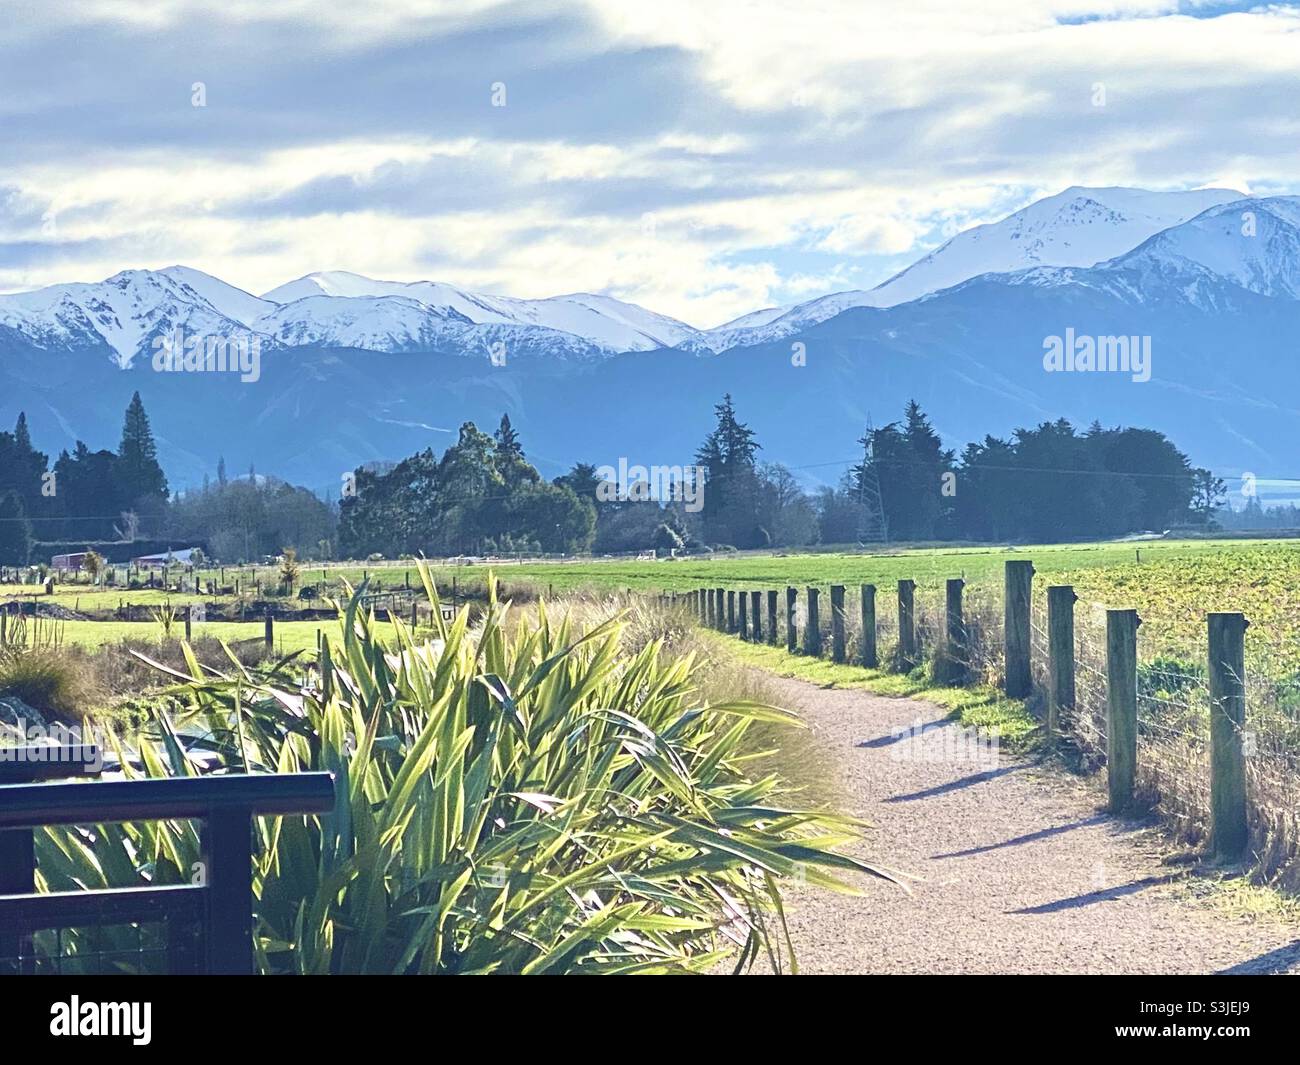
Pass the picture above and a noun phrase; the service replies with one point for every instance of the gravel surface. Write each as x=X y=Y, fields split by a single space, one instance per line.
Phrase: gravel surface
x=1022 y=871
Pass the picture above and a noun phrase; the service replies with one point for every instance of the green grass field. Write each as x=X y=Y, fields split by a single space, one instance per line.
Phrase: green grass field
x=290 y=636
x=1172 y=582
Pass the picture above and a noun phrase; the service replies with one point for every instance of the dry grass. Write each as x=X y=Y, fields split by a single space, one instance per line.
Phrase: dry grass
x=50 y=680
x=791 y=753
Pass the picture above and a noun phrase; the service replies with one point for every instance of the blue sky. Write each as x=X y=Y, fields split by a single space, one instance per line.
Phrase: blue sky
x=704 y=160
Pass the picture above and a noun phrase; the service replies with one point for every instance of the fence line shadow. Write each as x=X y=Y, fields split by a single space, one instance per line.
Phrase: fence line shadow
x=1103 y=895
x=910 y=733
x=1031 y=837
x=955 y=785
x=1274 y=961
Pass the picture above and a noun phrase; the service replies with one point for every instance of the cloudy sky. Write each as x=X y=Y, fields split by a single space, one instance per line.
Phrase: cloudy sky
x=703 y=159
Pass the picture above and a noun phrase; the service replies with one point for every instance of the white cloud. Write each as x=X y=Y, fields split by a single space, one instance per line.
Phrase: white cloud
x=814 y=144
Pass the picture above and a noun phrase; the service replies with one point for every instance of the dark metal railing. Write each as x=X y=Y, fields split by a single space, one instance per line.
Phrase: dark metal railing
x=208 y=926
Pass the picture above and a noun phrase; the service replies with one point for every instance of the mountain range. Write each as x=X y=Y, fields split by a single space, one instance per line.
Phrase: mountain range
x=356 y=369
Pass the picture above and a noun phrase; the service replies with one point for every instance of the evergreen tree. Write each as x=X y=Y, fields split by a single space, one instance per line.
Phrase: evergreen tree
x=731 y=489
x=140 y=475
x=582 y=479
x=21 y=467
x=515 y=470
x=1208 y=494
x=507 y=439
x=21 y=434
x=15 y=531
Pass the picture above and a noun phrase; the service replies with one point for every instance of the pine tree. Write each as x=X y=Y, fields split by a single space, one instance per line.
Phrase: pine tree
x=15 y=531
x=21 y=434
x=221 y=471
x=23 y=466
x=508 y=440
x=141 y=476
x=731 y=485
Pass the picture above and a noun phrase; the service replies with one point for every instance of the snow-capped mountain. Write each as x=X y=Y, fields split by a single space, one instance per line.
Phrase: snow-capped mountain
x=119 y=317
x=371 y=323
x=233 y=302
x=1217 y=293
x=601 y=320
x=1132 y=237
x=1249 y=245
x=1077 y=227
x=1254 y=243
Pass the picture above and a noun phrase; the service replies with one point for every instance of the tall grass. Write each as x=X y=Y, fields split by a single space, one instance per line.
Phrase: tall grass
x=522 y=798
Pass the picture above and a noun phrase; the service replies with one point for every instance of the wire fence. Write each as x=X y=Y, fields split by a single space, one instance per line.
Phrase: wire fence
x=1174 y=704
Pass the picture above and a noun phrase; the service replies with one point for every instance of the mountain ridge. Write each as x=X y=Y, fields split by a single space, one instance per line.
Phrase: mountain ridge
x=124 y=313
x=1219 y=296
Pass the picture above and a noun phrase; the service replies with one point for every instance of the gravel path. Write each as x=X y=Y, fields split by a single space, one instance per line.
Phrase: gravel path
x=1022 y=871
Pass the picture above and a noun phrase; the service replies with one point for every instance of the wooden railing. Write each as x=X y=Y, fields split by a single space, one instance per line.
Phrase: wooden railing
x=207 y=925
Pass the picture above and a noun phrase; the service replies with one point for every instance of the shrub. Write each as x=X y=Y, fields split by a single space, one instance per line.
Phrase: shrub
x=49 y=680
x=519 y=798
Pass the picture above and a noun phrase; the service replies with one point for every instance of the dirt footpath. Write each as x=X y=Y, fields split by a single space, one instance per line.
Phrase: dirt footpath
x=1022 y=872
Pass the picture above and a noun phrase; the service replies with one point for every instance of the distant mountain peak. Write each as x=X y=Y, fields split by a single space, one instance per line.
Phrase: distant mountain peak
x=1079 y=226
x=1105 y=236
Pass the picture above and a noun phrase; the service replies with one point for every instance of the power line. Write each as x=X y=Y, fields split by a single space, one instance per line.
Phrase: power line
x=981 y=466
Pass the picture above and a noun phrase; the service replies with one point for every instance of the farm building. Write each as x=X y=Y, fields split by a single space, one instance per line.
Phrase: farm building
x=167 y=558
x=73 y=561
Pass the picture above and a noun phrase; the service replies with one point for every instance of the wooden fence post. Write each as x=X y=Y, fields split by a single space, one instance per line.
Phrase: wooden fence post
x=1229 y=833
x=742 y=612
x=1121 y=706
x=756 y=610
x=1019 y=587
x=867 y=642
x=791 y=606
x=771 y=618
x=710 y=612
x=270 y=628
x=812 y=636
x=955 y=669
x=719 y=600
x=837 y=623
x=731 y=611
x=907 y=657
x=1060 y=655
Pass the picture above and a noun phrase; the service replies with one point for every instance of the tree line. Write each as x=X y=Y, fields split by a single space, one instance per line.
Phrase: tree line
x=85 y=495
x=89 y=498
x=1049 y=482
x=482 y=496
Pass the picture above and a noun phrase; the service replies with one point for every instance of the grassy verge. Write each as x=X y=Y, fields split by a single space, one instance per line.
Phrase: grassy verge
x=974 y=707
x=1239 y=896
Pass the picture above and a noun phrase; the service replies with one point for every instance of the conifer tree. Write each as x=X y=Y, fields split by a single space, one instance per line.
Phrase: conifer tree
x=141 y=475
